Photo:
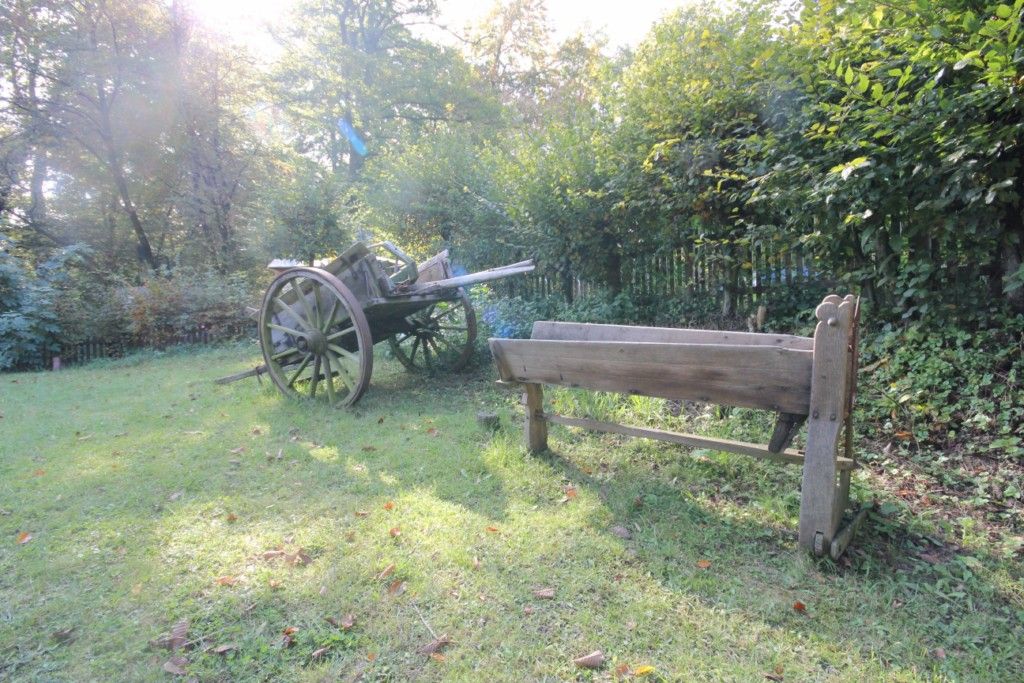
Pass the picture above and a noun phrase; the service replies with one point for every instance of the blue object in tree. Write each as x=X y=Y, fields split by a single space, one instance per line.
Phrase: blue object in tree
x=353 y=137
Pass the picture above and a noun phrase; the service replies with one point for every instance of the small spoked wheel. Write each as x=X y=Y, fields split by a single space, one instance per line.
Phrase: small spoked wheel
x=315 y=339
x=439 y=337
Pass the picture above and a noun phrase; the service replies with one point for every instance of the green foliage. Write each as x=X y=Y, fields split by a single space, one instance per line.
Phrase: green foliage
x=29 y=324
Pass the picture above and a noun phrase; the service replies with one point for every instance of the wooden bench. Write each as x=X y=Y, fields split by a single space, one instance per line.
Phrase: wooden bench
x=803 y=379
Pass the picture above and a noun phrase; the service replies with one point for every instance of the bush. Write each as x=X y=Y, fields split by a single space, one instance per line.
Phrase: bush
x=29 y=325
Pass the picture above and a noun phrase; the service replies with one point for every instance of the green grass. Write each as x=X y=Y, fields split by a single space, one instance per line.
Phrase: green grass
x=141 y=483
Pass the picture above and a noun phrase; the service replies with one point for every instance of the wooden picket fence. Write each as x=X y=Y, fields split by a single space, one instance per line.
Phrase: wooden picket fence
x=83 y=351
x=695 y=272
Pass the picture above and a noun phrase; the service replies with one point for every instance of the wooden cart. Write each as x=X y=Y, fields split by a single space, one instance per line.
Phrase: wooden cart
x=317 y=326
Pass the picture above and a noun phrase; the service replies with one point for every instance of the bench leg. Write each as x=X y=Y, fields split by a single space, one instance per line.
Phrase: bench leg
x=536 y=426
x=823 y=494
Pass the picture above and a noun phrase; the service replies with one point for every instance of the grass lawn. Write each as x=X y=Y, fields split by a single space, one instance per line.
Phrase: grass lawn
x=136 y=496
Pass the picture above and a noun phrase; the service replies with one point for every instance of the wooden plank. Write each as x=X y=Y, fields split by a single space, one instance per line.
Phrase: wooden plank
x=819 y=493
x=845 y=535
x=786 y=427
x=788 y=456
x=536 y=427
x=763 y=377
x=545 y=329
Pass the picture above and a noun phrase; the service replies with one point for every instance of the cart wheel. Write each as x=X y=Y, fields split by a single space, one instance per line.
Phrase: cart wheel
x=441 y=338
x=315 y=338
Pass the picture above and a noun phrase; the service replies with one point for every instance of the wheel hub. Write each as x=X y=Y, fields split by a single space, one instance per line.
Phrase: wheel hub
x=317 y=342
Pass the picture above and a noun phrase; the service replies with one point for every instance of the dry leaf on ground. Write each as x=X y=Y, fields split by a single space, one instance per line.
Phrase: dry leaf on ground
x=176 y=666
x=595 y=660
x=436 y=644
x=544 y=593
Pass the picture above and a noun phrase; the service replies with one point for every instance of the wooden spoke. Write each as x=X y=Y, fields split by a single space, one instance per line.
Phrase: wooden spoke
x=316 y=377
x=285 y=354
x=328 y=378
x=293 y=313
x=302 y=366
x=305 y=303
x=330 y=317
x=343 y=373
x=347 y=330
x=286 y=330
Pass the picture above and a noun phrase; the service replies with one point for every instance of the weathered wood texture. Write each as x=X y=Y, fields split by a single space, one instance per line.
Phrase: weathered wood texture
x=536 y=426
x=802 y=378
x=764 y=377
x=820 y=492
x=788 y=456
x=544 y=329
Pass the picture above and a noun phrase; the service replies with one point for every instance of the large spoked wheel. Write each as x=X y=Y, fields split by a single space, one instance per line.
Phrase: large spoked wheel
x=441 y=337
x=315 y=339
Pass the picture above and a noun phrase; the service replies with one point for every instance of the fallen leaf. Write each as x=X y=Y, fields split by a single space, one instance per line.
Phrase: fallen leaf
x=432 y=431
x=622 y=532
x=257 y=431
x=437 y=657
x=63 y=635
x=774 y=677
x=570 y=492
x=903 y=436
x=630 y=625
x=238 y=451
x=38 y=473
x=176 y=666
x=362 y=513
x=386 y=572
x=347 y=622
x=436 y=644
x=394 y=532
x=644 y=670
x=224 y=649
x=595 y=660
x=179 y=635
x=493 y=529
x=274 y=583
x=396 y=588
x=350 y=536
x=371 y=656
x=476 y=562
x=232 y=517
x=137 y=589
x=528 y=610
x=320 y=652
x=799 y=606
x=940 y=653
x=389 y=505
x=176 y=495
x=272 y=554
x=226 y=580
x=703 y=564
x=622 y=670
x=298 y=559
x=544 y=593
x=24 y=537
